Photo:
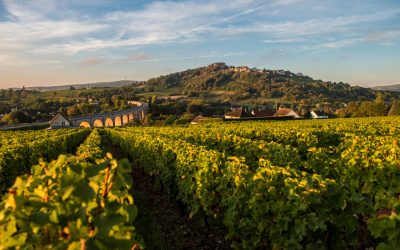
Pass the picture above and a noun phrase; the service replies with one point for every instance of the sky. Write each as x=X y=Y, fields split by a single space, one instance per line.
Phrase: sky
x=55 y=42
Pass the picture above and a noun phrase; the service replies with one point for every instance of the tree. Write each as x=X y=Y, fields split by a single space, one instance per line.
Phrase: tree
x=85 y=108
x=148 y=120
x=10 y=93
x=149 y=89
x=351 y=108
x=185 y=119
x=170 y=120
x=195 y=106
x=265 y=94
x=16 y=117
x=153 y=100
x=366 y=109
x=380 y=106
x=73 y=111
x=62 y=111
x=123 y=105
x=394 y=108
x=301 y=110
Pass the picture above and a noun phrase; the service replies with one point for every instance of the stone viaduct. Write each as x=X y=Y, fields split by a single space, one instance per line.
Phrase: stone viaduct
x=112 y=119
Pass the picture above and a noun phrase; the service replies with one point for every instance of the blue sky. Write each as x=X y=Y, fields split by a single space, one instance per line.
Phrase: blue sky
x=48 y=42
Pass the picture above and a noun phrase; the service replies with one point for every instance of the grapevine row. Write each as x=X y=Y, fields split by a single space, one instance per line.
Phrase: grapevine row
x=74 y=202
x=343 y=196
x=17 y=159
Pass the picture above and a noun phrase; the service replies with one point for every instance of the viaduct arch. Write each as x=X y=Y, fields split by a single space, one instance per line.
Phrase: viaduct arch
x=112 y=119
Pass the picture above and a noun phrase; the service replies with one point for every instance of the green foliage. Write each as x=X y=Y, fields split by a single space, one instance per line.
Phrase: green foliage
x=23 y=149
x=170 y=120
x=250 y=83
x=394 y=108
x=92 y=148
x=185 y=119
x=73 y=111
x=148 y=120
x=16 y=117
x=70 y=204
x=372 y=109
x=308 y=184
x=281 y=185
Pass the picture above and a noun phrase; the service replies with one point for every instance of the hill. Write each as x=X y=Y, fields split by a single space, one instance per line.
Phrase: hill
x=113 y=84
x=395 y=87
x=244 y=83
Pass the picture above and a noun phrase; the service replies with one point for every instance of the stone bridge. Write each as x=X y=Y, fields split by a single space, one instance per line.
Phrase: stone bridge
x=112 y=119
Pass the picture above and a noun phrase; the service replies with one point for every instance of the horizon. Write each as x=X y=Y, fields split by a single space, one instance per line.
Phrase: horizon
x=53 y=43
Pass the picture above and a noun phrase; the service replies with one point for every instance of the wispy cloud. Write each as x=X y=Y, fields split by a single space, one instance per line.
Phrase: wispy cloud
x=101 y=31
x=150 y=58
x=211 y=55
x=310 y=27
x=138 y=57
x=286 y=40
x=90 y=61
x=337 y=44
x=32 y=25
x=384 y=35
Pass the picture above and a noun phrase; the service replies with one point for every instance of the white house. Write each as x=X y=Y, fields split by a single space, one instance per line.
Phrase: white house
x=319 y=115
x=59 y=121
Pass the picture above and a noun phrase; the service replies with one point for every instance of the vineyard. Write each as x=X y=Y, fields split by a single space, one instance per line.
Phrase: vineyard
x=330 y=184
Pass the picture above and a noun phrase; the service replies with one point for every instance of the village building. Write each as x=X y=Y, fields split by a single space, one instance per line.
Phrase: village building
x=236 y=114
x=262 y=113
x=219 y=65
x=241 y=69
x=319 y=115
x=286 y=112
x=196 y=120
x=59 y=121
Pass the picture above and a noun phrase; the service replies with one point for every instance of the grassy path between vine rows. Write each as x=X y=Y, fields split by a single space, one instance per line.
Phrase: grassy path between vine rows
x=163 y=223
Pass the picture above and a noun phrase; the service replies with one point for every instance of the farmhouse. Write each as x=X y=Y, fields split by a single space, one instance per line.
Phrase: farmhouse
x=262 y=113
x=286 y=112
x=319 y=115
x=236 y=113
x=196 y=120
x=59 y=121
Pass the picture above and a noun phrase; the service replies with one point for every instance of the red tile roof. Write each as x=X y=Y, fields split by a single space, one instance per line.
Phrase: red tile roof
x=262 y=113
x=239 y=112
x=283 y=112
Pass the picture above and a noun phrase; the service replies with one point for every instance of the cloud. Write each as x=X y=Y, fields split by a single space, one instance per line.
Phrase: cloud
x=313 y=26
x=384 y=35
x=337 y=44
x=28 y=10
x=287 y=40
x=49 y=28
x=138 y=57
x=32 y=25
x=150 y=58
x=91 y=61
